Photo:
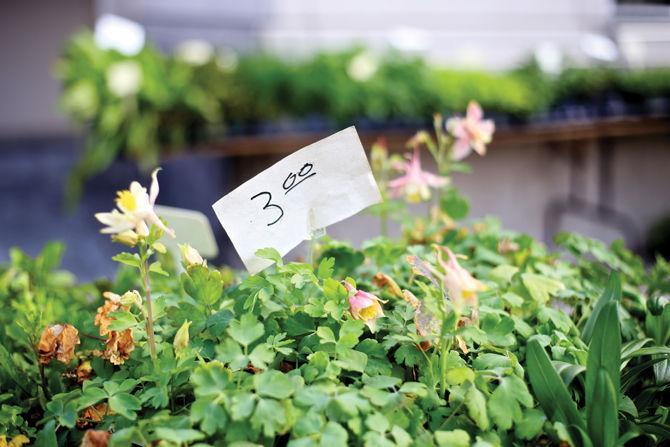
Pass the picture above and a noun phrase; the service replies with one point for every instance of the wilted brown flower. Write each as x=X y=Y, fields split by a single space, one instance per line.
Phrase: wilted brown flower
x=507 y=245
x=58 y=341
x=112 y=304
x=118 y=347
x=83 y=371
x=384 y=280
x=95 y=438
x=94 y=413
x=119 y=344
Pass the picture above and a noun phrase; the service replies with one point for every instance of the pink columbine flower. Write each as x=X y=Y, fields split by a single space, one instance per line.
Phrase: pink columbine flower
x=460 y=284
x=364 y=306
x=415 y=184
x=471 y=132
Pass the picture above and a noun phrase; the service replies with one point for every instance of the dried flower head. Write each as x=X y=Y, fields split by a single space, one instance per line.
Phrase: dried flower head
x=58 y=341
x=95 y=438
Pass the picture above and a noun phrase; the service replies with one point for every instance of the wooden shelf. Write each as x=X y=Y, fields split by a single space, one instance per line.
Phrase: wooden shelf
x=284 y=143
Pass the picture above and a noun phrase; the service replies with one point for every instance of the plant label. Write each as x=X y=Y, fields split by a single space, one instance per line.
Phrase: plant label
x=314 y=187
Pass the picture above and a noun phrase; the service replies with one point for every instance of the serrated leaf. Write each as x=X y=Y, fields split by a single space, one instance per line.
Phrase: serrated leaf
x=261 y=356
x=273 y=383
x=540 y=287
x=271 y=254
x=326 y=268
x=246 y=330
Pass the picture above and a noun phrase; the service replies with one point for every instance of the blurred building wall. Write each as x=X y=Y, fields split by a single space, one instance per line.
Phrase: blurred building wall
x=33 y=33
x=475 y=33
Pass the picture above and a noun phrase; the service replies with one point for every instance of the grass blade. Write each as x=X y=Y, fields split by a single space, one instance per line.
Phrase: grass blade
x=604 y=353
x=549 y=389
x=602 y=421
x=612 y=292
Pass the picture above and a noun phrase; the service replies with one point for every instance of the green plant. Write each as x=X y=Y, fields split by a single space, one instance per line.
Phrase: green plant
x=451 y=335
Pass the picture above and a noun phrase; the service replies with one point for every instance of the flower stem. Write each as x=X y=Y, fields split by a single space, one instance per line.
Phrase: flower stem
x=149 y=320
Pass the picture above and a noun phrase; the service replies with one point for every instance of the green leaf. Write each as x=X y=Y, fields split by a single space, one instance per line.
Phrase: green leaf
x=270 y=416
x=604 y=355
x=334 y=435
x=540 y=287
x=125 y=404
x=531 y=424
x=210 y=379
x=178 y=435
x=453 y=438
x=350 y=331
x=381 y=382
x=271 y=254
x=351 y=360
x=91 y=396
x=157 y=268
x=602 y=419
x=132 y=260
x=273 y=383
x=549 y=389
x=326 y=268
x=47 y=436
x=122 y=320
x=246 y=330
x=261 y=356
x=504 y=403
x=503 y=273
x=325 y=334
x=377 y=422
x=611 y=293
x=455 y=205
x=210 y=415
x=242 y=405
x=476 y=404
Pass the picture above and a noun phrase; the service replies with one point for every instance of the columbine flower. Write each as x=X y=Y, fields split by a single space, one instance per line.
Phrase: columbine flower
x=471 y=132
x=364 y=306
x=190 y=256
x=194 y=51
x=124 y=78
x=416 y=183
x=460 y=284
x=136 y=210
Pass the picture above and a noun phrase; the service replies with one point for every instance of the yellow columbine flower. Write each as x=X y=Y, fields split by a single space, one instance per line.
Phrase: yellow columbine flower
x=135 y=212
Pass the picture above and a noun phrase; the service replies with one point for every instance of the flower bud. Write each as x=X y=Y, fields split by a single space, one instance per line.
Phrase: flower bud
x=181 y=338
x=131 y=297
x=128 y=237
x=190 y=256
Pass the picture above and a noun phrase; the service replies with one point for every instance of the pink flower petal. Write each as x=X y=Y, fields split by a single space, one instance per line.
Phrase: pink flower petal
x=474 y=112
x=461 y=148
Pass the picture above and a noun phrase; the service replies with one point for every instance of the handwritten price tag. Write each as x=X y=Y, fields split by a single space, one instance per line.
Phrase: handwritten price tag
x=331 y=177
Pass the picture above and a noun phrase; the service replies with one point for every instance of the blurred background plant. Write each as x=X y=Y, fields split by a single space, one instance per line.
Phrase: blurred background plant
x=145 y=106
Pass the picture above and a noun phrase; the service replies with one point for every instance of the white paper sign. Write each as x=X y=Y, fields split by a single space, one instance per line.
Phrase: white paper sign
x=332 y=177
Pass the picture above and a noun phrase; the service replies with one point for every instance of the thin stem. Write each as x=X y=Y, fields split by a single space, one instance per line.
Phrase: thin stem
x=149 y=320
x=45 y=388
